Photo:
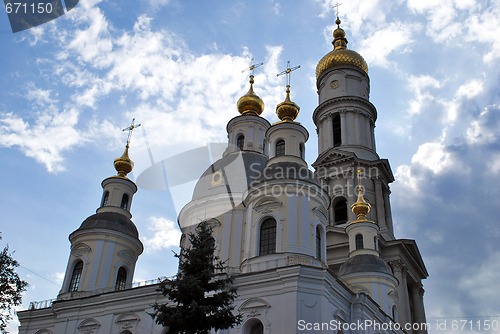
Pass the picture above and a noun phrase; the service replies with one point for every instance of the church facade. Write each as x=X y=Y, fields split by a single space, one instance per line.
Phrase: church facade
x=310 y=251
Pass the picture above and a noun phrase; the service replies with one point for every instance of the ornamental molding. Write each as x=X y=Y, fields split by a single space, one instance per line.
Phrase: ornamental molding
x=127 y=256
x=89 y=326
x=80 y=250
x=321 y=214
x=370 y=108
x=127 y=321
x=267 y=204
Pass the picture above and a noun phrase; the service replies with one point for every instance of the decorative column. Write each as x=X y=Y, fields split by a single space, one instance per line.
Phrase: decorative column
x=343 y=127
x=379 y=200
x=388 y=214
x=369 y=139
x=400 y=271
x=418 y=305
x=328 y=131
x=357 y=135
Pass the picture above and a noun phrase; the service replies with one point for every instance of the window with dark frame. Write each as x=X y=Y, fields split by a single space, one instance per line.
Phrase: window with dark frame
x=267 y=238
x=240 y=142
x=280 y=147
x=359 y=241
x=337 y=132
x=105 y=198
x=318 y=243
x=340 y=211
x=76 y=276
x=121 y=279
x=124 y=204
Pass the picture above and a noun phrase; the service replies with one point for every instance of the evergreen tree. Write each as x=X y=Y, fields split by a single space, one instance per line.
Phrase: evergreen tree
x=201 y=294
x=11 y=287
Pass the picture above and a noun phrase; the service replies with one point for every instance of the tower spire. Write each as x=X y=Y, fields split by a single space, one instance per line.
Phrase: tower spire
x=360 y=208
x=124 y=164
x=251 y=103
x=287 y=110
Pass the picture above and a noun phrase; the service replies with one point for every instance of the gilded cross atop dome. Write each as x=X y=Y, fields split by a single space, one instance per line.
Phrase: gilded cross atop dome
x=251 y=103
x=123 y=164
x=287 y=110
x=360 y=208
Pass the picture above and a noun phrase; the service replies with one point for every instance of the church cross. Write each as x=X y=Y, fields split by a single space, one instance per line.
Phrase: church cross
x=130 y=129
x=336 y=6
x=287 y=72
x=252 y=67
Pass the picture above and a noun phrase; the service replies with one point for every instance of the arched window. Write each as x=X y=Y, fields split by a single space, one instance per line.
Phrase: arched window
x=318 y=243
x=266 y=148
x=280 y=147
x=267 y=238
x=340 y=212
x=240 y=142
x=337 y=133
x=375 y=243
x=76 y=276
x=124 y=204
x=253 y=326
x=359 y=241
x=121 y=279
x=105 y=198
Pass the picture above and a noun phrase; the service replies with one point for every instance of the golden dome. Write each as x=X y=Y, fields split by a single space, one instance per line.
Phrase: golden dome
x=287 y=110
x=340 y=54
x=250 y=103
x=123 y=164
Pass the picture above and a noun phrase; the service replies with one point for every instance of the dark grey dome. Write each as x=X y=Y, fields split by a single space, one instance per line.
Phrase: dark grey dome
x=364 y=263
x=288 y=170
x=110 y=221
x=234 y=173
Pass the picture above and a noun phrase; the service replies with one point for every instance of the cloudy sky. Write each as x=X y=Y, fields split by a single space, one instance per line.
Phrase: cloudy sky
x=70 y=86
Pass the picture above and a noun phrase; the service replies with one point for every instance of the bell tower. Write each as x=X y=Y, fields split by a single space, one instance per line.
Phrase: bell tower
x=345 y=121
x=361 y=246
x=105 y=248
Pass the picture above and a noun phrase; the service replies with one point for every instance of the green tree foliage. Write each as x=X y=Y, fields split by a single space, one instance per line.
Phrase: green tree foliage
x=11 y=287
x=201 y=294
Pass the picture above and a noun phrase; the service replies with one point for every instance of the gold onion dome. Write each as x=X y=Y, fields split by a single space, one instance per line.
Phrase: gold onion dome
x=287 y=110
x=340 y=55
x=250 y=103
x=123 y=164
x=360 y=208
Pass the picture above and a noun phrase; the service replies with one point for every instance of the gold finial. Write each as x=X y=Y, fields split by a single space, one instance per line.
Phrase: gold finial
x=287 y=110
x=250 y=103
x=123 y=164
x=361 y=208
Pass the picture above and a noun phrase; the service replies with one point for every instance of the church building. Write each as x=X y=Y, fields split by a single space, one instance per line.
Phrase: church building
x=311 y=251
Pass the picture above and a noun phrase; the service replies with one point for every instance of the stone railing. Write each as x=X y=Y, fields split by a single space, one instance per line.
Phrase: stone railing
x=79 y=294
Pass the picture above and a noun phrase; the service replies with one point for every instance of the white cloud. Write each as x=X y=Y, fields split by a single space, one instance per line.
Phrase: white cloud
x=483 y=130
x=470 y=89
x=166 y=234
x=420 y=86
x=483 y=27
x=398 y=37
x=433 y=156
x=45 y=140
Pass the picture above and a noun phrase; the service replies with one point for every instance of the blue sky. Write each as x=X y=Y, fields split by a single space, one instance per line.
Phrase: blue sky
x=70 y=86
